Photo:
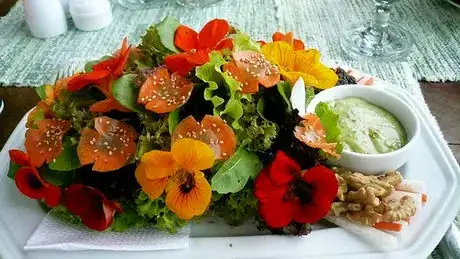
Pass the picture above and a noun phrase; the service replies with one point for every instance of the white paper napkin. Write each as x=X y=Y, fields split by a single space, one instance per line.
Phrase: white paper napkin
x=54 y=234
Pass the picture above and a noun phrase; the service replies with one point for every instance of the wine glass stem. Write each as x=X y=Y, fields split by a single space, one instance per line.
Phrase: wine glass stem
x=382 y=15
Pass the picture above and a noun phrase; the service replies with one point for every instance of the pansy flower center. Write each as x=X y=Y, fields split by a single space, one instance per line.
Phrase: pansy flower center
x=300 y=190
x=187 y=181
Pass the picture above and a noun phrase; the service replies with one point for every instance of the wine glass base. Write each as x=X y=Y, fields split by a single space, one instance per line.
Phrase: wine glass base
x=196 y=3
x=361 y=41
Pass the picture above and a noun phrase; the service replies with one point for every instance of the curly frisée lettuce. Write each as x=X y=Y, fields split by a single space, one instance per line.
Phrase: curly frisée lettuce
x=329 y=119
x=159 y=215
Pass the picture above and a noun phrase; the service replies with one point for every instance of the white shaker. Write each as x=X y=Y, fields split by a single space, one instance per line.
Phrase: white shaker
x=45 y=18
x=90 y=15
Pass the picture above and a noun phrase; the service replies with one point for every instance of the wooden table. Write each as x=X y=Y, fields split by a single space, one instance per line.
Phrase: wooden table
x=442 y=98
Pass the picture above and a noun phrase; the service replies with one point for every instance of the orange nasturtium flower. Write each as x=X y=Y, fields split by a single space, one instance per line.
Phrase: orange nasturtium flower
x=313 y=134
x=197 y=46
x=297 y=44
x=179 y=174
x=103 y=76
x=251 y=68
x=300 y=63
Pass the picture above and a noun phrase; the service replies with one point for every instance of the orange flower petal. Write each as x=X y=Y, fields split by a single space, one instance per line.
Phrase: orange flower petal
x=188 y=194
x=212 y=130
x=256 y=67
x=178 y=63
x=157 y=164
x=107 y=105
x=212 y=33
x=249 y=85
x=186 y=38
x=163 y=93
x=313 y=134
x=192 y=154
x=45 y=143
x=298 y=45
x=277 y=36
x=110 y=147
x=153 y=188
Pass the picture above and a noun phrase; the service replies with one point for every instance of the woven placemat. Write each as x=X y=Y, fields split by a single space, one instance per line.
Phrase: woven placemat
x=435 y=24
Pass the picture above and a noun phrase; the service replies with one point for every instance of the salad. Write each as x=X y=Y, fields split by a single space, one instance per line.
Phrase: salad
x=190 y=124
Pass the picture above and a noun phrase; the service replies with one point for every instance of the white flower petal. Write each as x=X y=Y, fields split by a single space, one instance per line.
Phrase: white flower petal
x=298 y=97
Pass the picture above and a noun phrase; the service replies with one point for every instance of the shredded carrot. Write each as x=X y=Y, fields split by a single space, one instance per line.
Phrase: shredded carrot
x=390 y=226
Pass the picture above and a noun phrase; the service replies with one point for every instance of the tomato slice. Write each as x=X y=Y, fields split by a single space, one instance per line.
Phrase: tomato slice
x=110 y=146
x=212 y=130
x=313 y=134
x=45 y=143
x=254 y=66
x=162 y=92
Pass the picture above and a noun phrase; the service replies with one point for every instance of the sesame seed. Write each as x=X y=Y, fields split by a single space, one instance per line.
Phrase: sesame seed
x=224 y=154
x=110 y=153
x=218 y=130
x=105 y=143
x=221 y=142
x=107 y=122
x=95 y=151
x=214 y=125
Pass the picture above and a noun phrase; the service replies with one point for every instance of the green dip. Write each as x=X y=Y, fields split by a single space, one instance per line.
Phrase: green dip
x=366 y=128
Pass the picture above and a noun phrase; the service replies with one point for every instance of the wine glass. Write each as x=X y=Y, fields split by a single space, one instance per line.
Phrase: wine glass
x=381 y=39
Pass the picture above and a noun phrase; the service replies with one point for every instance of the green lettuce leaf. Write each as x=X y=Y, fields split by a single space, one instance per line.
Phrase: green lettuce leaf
x=13 y=168
x=68 y=158
x=242 y=41
x=128 y=219
x=41 y=91
x=157 y=43
x=256 y=130
x=124 y=90
x=173 y=120
x=223 y=91
x=310 y=94
x=58 y=178
x=160 y=216
x=235 y=208
x=329 y=119
x=236 y=171
x=60 y=212
x=285 y=89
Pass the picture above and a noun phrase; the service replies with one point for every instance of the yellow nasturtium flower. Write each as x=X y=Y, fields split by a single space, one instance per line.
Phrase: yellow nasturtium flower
x=300 y=63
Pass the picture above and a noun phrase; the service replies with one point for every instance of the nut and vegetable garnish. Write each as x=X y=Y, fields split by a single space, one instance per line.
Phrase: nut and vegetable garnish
x=366 y=199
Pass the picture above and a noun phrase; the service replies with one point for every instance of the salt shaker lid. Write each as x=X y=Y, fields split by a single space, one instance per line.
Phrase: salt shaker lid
x=88 y=6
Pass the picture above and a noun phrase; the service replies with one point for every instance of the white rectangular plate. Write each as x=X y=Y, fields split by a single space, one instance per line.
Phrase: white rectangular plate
x=432 y=162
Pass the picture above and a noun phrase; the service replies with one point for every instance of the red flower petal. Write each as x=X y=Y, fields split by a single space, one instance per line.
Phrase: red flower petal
x=178 y=63
x=266 y=191
x=90 y=204
x=198 y=58
x=18 y=157
x=83 y=80
x=110 y=147
x=30 y=183
x=100 y=219
x=324 y=182
x=225 y=44
x=107 y=105
x=117 y=63
x=277 y=214
x=186 y=38
x=212 y=33
x=45 y=143
x=162 y=93
x=312 y=212
x=212 y=130
x=80 y=198
x=52 y=196
x=283 y=169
